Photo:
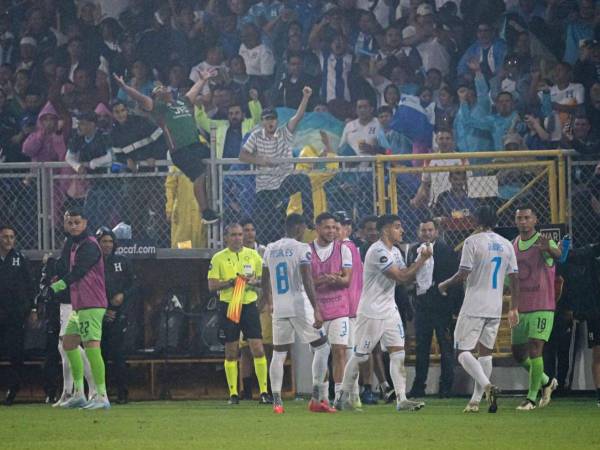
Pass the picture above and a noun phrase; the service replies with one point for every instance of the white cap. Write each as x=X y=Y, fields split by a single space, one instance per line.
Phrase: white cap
x=424 y=9
x=28 y=40
x=409 y=32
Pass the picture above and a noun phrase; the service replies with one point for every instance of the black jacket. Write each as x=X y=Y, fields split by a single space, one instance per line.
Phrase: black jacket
x=119 y=279
x=445 y=265
x=93 y=149
x=17 y=287
x=582 y=282
x=86 y=257
x=138 y=139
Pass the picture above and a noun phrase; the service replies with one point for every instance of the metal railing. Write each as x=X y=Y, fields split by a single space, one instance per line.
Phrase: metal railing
x=159 y=205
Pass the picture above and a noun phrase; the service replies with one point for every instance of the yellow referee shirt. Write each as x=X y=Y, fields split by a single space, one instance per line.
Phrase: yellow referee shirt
x=225 y=265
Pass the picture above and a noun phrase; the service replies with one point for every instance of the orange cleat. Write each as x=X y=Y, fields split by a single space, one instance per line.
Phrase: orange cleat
x=326 y=407
x=278 y=409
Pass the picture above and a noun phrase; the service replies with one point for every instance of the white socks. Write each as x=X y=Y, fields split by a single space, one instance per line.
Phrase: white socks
x=398 y=374
x=486 y=363
x=276 y=371
x=66 y=370
x=351 y=371
x=474 y=368
x=319 y=364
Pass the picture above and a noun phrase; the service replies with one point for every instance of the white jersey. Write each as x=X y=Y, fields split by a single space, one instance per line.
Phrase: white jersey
x=489 y=258
x=283 y=259
x=377 y=298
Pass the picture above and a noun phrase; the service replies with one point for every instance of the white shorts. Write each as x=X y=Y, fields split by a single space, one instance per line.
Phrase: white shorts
x=351 y=329
x=65 y=311
x=337 y=331
x=470 y=330
x=283 y=330
x=368 y=332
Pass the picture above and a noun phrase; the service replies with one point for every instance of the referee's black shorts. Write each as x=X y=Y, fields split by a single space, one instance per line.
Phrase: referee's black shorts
x=249 y=323
x=189 y=159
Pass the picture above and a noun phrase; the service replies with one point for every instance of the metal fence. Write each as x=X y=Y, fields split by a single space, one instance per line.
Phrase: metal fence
x=159 y=206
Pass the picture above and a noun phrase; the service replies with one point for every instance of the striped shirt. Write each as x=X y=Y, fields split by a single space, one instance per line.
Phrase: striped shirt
x=277 y=146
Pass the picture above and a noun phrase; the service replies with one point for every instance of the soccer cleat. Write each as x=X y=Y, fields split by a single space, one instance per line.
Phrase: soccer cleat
x=327 y=408
x=491 y=394
x=75 y=401
x=63 y=398
x=409 y=405
x=233 y=400
x=209 y=216
x=10 y=397
x=265 y=399
x=356 y=403
x=527 y=405
x=368 y=397
x=389 y=395
x=278 y=409
x=97 y=402
x=547 y=393
x=471 y=408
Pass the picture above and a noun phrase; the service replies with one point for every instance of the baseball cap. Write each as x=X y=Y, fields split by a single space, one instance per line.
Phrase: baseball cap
x=268 y=113
x=343 y=217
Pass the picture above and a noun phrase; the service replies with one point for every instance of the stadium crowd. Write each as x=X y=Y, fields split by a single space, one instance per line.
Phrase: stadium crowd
x=116 y=86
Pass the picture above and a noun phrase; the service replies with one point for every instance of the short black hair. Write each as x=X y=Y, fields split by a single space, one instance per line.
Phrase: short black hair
x=428 y=219
x=323 y=217
x=486 y=216
x=247 y=220
x=228 y=228
x=365 y=220
x=385 y=109
x=75 y=211
x=6 y=226
x=505 y=93
x=387 y=219
x=293 y=220
x=116 y=102
x=294 y=54
x=526 y=206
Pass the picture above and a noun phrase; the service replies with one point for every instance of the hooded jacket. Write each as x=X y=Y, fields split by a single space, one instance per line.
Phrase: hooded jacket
x=45 y=147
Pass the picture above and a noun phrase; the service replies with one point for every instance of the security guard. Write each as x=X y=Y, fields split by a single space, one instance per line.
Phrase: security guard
x=120 y=291
x=225 y=267
x=16 y=299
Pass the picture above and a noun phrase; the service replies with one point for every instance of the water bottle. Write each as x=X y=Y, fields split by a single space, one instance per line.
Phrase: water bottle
x=565 y=247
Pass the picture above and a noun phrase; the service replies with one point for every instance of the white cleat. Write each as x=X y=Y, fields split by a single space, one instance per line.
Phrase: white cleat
x=97 y=402
x=342 y=402
x=547 y=393
x=527 y=405
x=63 y=398
x=471 y=408
x=409 y=405
x=76 y=401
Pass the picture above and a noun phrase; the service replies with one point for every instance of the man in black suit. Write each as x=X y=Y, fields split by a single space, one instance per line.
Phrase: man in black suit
x=433 y=312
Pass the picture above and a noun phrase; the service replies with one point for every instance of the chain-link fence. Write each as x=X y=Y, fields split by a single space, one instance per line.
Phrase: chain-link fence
x=584 y=201
x=157 y=206
x=307 y=186
x=450 y=189
x=21 y=202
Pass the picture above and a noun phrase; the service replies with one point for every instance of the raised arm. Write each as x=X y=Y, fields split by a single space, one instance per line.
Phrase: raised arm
x=296 y=118
x=146 y=102
x=203 y=77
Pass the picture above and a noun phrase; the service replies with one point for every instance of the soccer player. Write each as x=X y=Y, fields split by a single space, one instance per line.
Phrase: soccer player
x=85 y=281
x=289 y=291
x=332 y=272
x=225 y=267
x=378 y=318
x=486 y=258
x=536 y=255
x=176 y=117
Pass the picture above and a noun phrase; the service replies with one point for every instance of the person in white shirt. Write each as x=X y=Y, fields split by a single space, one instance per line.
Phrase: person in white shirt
x=378 y=318
x=364 y=135
x=258 y=57
x=289 y=291
x=486 y=259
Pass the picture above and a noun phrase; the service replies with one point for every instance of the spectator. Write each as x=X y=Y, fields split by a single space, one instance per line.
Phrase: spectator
x=515 y=79
x=289 y=90
x=241 y=83
x=229 y=38
x=363 y=39
x=433 y=312
x=487 y=50
x=47 y=143
x=363 y=136
x=336 y=64
x=593 y=106
x=275 y=187
x=433 y=54
x=121 y=293
x=587 y=67
x=89 y=152
x=38 y=28
x=399 y=144
x=7 y=41
x=566 y=98
x=83 y=94
x=177 y=120
x=579 y=29
x=581 y=138
x=455 y=202
x=445 y=109
x=258 y=57
x=230 y=132
x=9 y=128
x=16 y=299
x=137 y=17
x=498 y=124
x=27 y=54
x=139 y=81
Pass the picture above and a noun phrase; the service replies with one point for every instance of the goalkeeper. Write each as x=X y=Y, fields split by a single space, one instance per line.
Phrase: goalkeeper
x=235 y=272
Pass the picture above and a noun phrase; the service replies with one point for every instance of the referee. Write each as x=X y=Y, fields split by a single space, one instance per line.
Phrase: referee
x=225 y=266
